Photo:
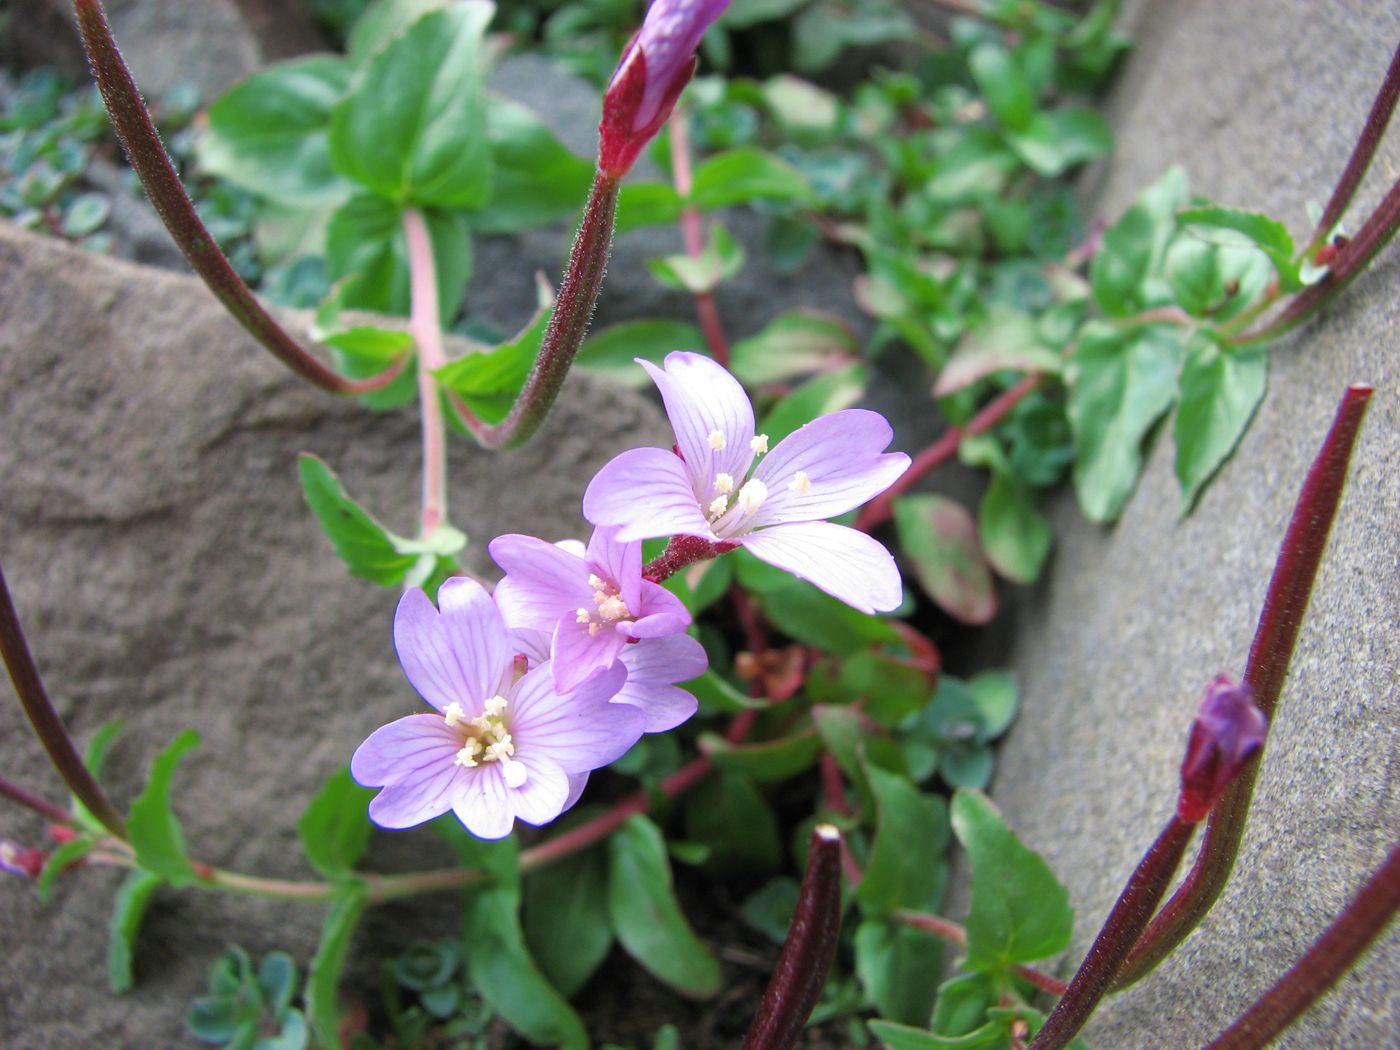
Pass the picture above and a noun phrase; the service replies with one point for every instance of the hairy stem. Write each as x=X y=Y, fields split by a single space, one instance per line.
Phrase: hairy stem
x=1331 y=955
x=427 y=334
x=153 y=166
x=680 y=552
x=48 y=726
x=1279 y=622
x=1120 y=932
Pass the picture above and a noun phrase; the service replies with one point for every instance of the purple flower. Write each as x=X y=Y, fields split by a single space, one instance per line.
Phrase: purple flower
x=592 y=604
x=502 y=745
x=830 y=466
x=1228 y=732
x=654 y=70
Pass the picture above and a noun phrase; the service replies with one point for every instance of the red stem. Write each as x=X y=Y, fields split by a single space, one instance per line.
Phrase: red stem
x=1120 y=932
x=951 y=932
x=808 y=951
x=693 y=235
x=43 y=807
x=1279 y=622
x=881 y=508
x=153 y=166
x=1331 y=955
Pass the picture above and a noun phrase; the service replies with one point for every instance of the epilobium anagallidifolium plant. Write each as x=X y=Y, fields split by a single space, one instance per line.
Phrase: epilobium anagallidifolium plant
x=726 y=708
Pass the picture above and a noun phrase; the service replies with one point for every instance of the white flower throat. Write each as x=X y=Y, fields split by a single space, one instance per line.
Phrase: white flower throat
x=750 y=495
x=609 y=606
x=485 y=738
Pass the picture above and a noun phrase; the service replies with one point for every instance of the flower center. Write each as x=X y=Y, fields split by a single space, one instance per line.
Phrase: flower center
x=751 y=493
x=609 y=606
x=485 y=738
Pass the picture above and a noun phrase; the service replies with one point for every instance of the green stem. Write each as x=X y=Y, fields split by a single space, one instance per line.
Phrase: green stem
x=153 y=166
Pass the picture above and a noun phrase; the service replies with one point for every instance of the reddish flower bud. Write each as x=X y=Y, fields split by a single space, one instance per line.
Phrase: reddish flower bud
x=1228 y=732
x=24 y=861
x=654 y=70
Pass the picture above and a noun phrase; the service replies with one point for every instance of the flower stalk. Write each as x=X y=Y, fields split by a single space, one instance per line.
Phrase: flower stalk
x=31 y=801
x=1279 y=622
x=1331 y=955
x=808 y=951
x=693 y=235
x=427 y=334
x=148 y=157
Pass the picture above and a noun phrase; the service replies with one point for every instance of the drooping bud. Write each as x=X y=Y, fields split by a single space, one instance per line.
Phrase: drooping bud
x=655 y=68
x=24 y=861
x=1228 y=732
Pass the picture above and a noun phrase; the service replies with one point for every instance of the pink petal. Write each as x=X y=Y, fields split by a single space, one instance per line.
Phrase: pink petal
x=847 y=564
x=646 y=492
x=484 y=805
x=532 y=644
x=543 y=795
x=617 y=562
x=577 y=782
x=658 y=613
x=414 y=758
x=579 y=654
x=578 y=732
x=652 y=667
x=842 y=457
x=542 y=582
x=457 y=654
x=701 y=398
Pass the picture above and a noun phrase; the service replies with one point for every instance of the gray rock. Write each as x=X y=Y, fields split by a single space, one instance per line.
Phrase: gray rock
x=1260 y=101
x=169 y=574
x=209 y=43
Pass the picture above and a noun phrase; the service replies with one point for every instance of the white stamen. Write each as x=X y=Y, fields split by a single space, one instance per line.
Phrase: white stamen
x=581 y=616
x=454 y=714
x=716 y=439
x=800 y=482
x=612 y=608
x=759 y=444
x=595 y=581
x=494 y=706
x=718 y=506
x=467 y=755
x=752 y=495
x=724 y=484
x=514 y=772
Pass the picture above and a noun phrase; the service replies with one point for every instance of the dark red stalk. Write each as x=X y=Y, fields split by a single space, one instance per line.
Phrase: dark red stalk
x=1269 y=656
x=46 y=722
x=680 y=552
x=152 y=164
x=1361 y=155
x=1331 y=955
x=1120 y=932
x=808 y=951
x=29 y=800
x=881 y=508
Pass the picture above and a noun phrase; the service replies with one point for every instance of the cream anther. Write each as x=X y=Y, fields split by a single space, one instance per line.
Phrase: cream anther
x=718 y=506
x=800 y=482
x=494 y=706
x=716 y=440
x=759 y=444
x=724 y=484
x=581 y=616
x=752 y=495
x=613 y=608
x=595 y=581
x=454 y=714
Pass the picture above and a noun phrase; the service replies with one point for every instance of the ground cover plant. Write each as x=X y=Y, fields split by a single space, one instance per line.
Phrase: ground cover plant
x=720 y=638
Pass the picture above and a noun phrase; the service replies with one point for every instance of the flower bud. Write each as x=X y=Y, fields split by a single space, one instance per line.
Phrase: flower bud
x=1228 y=732
x=24 y=861
x=654 y=70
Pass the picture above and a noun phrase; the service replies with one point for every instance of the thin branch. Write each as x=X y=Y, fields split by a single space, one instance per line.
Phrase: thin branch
x=1279 y=622
x=153 y=166
x=426 y=326
x=29 y=800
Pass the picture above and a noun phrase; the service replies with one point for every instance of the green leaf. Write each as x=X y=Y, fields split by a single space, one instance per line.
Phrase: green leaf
x=323 y=978
x=701 y=585
x=277 y=982
x=962 y=1004
x=293 y=1036
x=1006 y=339
x=767 y=761
x=1120 y=384
x=793 y=344
x=566 y=919
x=537 y=181
x=769 y=909
x=990 y=1036
x=133 y=899
x=647 y=204
x=899 y=966
x=506 y=976
x=701 y=274
x=368 y=549
x=491 y=381
x=890 y=690
x=995 y=698
x=269 y=134
x=856 y=744
x=716 y=696
x=1056 y=140
x=817 y=619
x=84 y=214
x=734 y=823
x=1133 y=248
x=365 y=240
x=67 y=853
x=1015 y=537
x=1009 y=98
x=1020 y=911
x=412 y=127
x=152 y=827
x=1220 y=390
x=939 y=536
x=828 y=392
x=1267 y=234
x=647 y=916
x=741 y=176
x=907 y=867
x=966 y=766
x=382 y=21
x=334 y=828
x=612 y=351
